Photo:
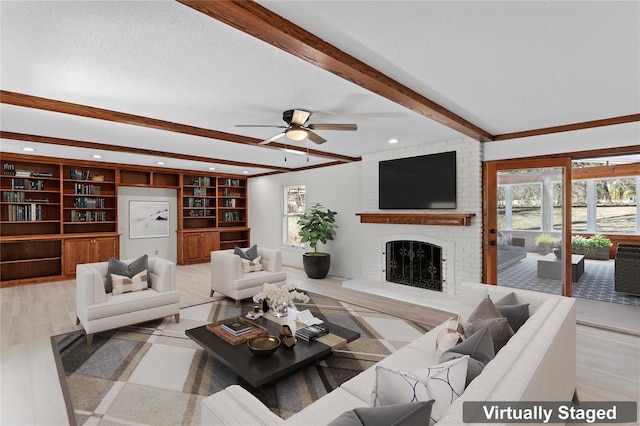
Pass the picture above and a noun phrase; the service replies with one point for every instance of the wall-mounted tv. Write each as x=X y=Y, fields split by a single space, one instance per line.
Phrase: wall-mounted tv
x=423 y=182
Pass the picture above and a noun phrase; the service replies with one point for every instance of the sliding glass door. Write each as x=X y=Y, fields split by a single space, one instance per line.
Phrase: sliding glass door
x=527 y=211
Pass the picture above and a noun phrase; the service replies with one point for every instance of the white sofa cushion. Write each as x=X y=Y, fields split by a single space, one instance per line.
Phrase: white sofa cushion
x=131 y=302
x=256 y=279
x=327 y=408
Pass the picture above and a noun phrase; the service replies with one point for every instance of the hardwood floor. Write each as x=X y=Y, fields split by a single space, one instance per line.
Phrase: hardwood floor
x=608 y=365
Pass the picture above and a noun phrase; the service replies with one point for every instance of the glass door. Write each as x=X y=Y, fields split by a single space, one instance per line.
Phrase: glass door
x=527 y=213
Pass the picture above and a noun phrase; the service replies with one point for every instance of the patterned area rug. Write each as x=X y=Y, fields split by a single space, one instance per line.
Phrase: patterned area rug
x=152 y=373
x=596 y=283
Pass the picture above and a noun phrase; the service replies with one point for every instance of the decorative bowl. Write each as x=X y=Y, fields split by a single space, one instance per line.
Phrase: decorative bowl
x=263 y=345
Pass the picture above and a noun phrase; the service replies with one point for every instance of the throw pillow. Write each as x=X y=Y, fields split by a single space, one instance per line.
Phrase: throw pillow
x=443 y=382
x=123 y=284
x=504 y=239
x=413 y=413
x=479 y=347
x=118 y=267
x=250 y=254
x=487 y=315
x=450 y=335
x=251 y=265
x=516 y=314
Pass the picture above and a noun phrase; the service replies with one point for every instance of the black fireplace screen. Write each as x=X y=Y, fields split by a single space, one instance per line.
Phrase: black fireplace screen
x=414 y=263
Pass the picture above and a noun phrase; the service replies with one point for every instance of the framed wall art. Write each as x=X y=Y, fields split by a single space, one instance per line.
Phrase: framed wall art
x=148 y=219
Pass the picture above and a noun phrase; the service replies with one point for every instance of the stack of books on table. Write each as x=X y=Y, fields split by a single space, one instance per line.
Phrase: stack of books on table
x=236 y=327
x=311 y=332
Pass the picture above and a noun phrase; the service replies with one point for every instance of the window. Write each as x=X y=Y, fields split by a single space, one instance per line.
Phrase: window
x=294 y=204
x=605 y=205
x=616 y=205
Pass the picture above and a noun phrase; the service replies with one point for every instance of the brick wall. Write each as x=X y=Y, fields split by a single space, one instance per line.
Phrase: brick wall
x=462 y=245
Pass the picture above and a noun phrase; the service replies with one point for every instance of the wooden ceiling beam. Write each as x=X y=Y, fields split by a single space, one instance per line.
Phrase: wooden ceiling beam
x=28 y=101
x=258 y=21
x=118 y=148
x=569 y=127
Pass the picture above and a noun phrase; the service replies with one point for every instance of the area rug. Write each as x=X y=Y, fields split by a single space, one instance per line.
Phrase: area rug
x=152 y=373
x=596 y=283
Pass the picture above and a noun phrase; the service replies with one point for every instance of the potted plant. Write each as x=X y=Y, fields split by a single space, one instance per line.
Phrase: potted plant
x=598 y=247
x=318 y=224
x=545 y=243
x=595 y=247
x=578 y=244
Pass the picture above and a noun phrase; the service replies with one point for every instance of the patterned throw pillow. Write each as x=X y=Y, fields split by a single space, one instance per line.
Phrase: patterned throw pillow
x=450 y=335
x=123 y=284
x=252 y=265
x=443 y=382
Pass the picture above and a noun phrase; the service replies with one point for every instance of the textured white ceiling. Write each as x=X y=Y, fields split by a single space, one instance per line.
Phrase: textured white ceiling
x=504 y=66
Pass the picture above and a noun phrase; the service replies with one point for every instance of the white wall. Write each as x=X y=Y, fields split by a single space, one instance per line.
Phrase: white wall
x=582 y=140
x=335 y=187
x=165 y=247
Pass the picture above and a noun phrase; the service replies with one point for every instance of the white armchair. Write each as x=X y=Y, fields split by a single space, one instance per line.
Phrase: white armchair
x=98 y=311
x=228 y=278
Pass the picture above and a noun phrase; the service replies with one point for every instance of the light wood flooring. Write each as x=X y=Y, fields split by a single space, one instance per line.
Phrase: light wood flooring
x=608 y=365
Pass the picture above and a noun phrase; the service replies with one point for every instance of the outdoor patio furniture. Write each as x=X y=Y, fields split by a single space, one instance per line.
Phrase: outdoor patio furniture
x=510 y=250
x=627 y=269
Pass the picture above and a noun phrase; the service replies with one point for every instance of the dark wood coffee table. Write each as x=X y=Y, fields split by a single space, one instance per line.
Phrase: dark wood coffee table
x=259 y=371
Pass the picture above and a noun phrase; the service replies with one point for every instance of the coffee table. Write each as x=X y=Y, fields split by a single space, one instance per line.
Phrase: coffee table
x=551 y=267
x=259 y=371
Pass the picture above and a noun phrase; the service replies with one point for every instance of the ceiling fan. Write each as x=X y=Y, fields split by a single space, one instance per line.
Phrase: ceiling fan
x=297 y=129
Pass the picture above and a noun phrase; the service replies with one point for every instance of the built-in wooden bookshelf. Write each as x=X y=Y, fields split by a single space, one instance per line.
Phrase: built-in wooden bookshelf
x=56 y=213
x=90 y=200
x=212 y=216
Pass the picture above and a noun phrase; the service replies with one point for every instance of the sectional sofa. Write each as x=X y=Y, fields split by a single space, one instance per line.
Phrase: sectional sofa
x=537 y=363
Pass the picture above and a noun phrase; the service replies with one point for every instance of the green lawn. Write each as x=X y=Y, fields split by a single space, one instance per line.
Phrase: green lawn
x=609 y=219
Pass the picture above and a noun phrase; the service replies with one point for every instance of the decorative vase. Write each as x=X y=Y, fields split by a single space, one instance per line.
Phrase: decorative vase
x=280 y=310
x=286 y=337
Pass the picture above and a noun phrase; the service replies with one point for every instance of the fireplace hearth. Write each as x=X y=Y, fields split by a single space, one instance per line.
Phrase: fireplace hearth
x=414 y=263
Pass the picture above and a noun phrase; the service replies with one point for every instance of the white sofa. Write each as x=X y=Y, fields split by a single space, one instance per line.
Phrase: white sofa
x=228 y=278
x=537 y=363
x=98 y=311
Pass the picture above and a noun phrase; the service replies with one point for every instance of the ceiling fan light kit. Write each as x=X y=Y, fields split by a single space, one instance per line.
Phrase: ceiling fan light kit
x=296 y=133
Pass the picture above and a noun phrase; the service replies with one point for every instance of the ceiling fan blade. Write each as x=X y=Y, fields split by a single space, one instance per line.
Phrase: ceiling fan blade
x=260 y=125
x=272 y=138
x=348 y=127
x=300 y=116
x=314 y=137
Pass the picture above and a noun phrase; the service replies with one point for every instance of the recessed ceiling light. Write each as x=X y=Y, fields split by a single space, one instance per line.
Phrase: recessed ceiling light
x=212 y=168
x=160 y=163
x=96 y=156
x=394 y=140
x=28 y=149
x=245 y=172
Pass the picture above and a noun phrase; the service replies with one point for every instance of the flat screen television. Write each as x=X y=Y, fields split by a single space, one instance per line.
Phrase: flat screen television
x=423 y=182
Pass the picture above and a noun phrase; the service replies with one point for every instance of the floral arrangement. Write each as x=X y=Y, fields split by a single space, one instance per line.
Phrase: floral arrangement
x=280 y=295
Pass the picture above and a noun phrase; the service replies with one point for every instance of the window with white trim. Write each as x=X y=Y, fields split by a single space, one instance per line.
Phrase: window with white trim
x=294 y=204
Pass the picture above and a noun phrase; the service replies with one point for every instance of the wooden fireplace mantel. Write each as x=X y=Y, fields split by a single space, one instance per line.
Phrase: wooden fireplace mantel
x=438 y=219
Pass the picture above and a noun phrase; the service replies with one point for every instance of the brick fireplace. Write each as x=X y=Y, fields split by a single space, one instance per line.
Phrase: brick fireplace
x=457 y=233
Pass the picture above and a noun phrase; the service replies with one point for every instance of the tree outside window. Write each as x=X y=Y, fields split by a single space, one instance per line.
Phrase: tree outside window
x=294 y=204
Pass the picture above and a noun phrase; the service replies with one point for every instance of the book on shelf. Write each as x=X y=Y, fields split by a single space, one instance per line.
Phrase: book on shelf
x=311 y=332
x=236 y=327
